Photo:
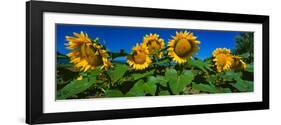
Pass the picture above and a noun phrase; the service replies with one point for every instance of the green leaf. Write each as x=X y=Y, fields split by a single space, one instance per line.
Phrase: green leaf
x=245 y=55
x=250 y=86
x=204 y=87
x=200 y=65
x=150 y=86
x=178 y=83
x=117 y=72
x=211 y=78
x=240 y=86
x=225 y=90
x=230 y=76
x=250 y=68
x=137 y=89
x=171 y=74
x=186 y=78
x=137 y=76
x=243 y=85
x=114 y=93
x=74 y=87
x=94 y=72
x=163 y=61
x=164 y=92
x=162 y=80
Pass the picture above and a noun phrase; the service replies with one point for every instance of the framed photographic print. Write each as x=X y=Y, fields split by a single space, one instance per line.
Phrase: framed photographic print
x=94 y=62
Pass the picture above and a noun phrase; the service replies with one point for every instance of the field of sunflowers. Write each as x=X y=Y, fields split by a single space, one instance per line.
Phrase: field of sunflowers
x=153 y=68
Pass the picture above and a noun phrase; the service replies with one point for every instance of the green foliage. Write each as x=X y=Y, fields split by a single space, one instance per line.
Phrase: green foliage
x=194 y=77
x=74 y=87
x=61 y=56
x=245 y=46
x=151 y=85
x=137 y=76
x=229 y=75
x=162 y=80
x=117 y=72
x=200 y=65
x=244 y=43
x=137 y=89
x=204 y=87
x=250 y=68
x=114 y=93
x=166 y=92
x=93 y=73
x=178 y=82
x=243 y=85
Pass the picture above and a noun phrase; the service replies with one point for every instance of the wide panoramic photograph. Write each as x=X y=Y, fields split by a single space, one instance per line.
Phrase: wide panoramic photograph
x=95 y=61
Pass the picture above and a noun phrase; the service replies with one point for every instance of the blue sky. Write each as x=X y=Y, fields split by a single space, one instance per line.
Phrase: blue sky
x=116 y=38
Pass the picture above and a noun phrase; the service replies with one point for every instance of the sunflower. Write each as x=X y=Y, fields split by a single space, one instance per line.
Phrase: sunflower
x=139 y=59
x=222 y=58
x=86 y=54
x=154 y=44
x=238 y=63
x=106 y=65
x=221 y=51
x=182 y=46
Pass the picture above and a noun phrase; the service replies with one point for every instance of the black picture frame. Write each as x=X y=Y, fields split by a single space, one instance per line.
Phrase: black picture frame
x=34 y=61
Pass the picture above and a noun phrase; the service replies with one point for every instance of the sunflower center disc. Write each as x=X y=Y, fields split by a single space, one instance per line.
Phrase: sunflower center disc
x=222 y=59
x=95 y=60
x=140 y=58
x=153 y=46
x=183 y=47
x=237 y=64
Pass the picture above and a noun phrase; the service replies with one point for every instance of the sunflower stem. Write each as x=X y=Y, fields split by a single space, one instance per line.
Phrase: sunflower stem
x=181 y=68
